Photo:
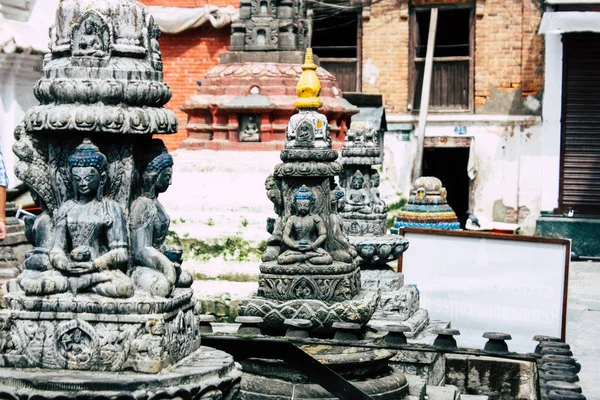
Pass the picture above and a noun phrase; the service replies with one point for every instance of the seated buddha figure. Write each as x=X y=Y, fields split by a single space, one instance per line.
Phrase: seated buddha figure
x=340 y=248
x=90 y=233
x=157 y=267
x=357 y=197
x=379 y=205
x=304 y=234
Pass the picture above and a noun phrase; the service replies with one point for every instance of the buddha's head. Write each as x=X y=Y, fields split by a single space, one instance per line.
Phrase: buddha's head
x=357 y=180
x=158 y=174
x=88 y=170
x=303 y=200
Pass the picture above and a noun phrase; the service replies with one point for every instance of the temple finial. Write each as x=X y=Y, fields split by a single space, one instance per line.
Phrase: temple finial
x=308 y=87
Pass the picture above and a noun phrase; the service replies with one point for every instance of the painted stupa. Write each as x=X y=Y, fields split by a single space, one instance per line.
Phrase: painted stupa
x=427 y=207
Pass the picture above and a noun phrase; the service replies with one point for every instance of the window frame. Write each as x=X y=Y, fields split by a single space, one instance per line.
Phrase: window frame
x=412 y=42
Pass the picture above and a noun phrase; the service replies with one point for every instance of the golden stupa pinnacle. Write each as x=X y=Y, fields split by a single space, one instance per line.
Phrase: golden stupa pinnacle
x=308 y=87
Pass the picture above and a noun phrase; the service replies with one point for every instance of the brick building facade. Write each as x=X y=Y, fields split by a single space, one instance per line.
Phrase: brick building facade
x=187 y=57
x=507 y=51
x=506 y=62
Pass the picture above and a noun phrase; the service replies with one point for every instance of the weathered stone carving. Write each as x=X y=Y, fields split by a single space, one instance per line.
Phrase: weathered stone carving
x=157 y=267
x=270 y=25
x=100 y=291
x=308 y=263
x=364 y=216
x=91 y=230
x=249 y=128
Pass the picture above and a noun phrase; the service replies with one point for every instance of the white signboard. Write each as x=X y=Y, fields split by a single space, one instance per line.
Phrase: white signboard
x=488 y=282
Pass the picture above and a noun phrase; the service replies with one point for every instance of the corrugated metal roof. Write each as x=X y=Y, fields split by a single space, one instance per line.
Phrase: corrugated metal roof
x=375 y=115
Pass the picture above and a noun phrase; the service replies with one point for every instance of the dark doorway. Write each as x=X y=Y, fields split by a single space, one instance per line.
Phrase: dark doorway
x=450 y=166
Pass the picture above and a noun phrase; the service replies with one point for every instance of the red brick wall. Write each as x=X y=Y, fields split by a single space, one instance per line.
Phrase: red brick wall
x=187 y=57
x=508 y=50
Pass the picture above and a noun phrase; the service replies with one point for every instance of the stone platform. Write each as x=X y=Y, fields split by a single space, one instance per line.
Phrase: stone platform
x=205 y=374
x=322 y=314
x=91 y=332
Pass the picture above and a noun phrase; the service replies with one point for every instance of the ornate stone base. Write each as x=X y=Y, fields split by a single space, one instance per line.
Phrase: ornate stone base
x=417 y=322
x=322 y=314
x=205 y=374
x=398 y=303
x=335 y=282
x=364 y=224
x=91 y=332
x=377 y=251
x=367 y=369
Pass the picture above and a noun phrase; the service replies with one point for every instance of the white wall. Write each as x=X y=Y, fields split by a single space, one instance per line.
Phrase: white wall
x=508 y=154
x=17 y=77
x=552 y=112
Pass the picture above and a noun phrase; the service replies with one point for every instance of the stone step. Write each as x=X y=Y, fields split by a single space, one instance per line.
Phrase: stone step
x=473 y=397
x=417 y=386
x=448 y=392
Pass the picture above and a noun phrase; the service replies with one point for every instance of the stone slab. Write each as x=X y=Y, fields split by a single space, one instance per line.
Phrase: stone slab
x=447 y=392
x=384 y=279
x=417 y=386
x=207 y=373
x=430 y=366
x=400 y=306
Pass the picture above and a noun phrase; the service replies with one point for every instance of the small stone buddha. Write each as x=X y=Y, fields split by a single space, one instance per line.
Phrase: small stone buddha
x=90 y=233
x=358 y=199
x=157 y=267
x=379 y=205
x=304 y=234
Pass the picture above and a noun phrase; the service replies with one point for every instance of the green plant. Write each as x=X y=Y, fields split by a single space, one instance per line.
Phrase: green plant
x=210 y=222
x=230 y=277
x=395 y=206
x=244 y=222
x=231 y=248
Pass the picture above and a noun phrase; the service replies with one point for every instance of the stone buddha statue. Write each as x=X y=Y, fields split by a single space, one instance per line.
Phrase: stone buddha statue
x=90 y=233
x=38 y=277
x=304 y=234
x=344 y=251
x=157 y=267
x=274 y=225
x=379 y=205
x=358 y=199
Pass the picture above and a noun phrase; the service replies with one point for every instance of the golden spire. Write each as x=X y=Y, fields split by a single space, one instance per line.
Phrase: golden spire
x=308 y=87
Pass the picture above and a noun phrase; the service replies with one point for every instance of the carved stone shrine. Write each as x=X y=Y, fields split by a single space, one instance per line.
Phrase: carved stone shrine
x=309 y=276
x=309 y=269
x=101 y=293
x=364 y=216
x=427 y=207
x=246 y=101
